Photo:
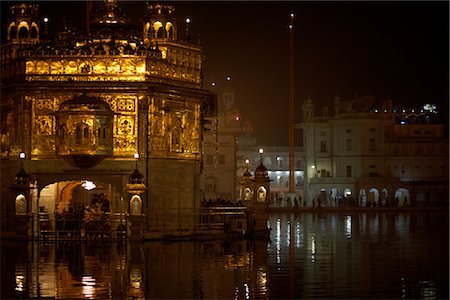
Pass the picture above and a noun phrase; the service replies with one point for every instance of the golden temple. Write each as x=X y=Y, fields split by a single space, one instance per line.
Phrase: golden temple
x=93 y=107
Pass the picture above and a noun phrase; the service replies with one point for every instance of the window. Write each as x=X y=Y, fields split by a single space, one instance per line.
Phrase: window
x=348 y=131
x=209 y=159
x=349 y=171
x=78 y=134
x=221 y=159
x=323 y=146
x=348 y=145
x=372 y=145
x=62 y=131
x=372 y=171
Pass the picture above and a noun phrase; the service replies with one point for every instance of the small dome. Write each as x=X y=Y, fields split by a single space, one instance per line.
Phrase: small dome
x=22 y=178
x=247 y=174
x=261 y=171
x=136 y=177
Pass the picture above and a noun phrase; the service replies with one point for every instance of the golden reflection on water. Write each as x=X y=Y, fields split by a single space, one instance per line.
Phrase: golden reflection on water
x=309 y=255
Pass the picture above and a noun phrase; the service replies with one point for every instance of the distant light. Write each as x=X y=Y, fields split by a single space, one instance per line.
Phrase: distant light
x=22 y=155
x=291 y=26
x=88 y=185
x=46 y=20
x=278 y=158
x=402 y=122
x=292 y=15
x=247 y=161
x=313 y=166
x=136 y=155
x=236 y=118
x=213 y=83
x=261 y=150
x=429 y=107
x=228 y=78
x=188 y=20
x=376 y=110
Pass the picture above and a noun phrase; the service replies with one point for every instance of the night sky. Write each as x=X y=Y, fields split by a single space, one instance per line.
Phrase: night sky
x=386 y=49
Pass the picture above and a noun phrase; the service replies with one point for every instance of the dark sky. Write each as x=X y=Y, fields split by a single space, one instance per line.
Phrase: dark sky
x=394 y=49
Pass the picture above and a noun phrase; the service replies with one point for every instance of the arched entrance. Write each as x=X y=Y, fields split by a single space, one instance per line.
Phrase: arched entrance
x=79 y=209
x=374 y=198
x=401 y=197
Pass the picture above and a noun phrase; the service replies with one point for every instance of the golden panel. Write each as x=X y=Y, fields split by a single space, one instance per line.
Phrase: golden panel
x=43 y=139
x=44 y=104
x=126 y=105
x=85 y=67
x=124 y=145
x=56 y=67
x=41 y=67
x=140 y=67
x=29 y=67
x=125 y=125
x=99 y=67
x=114 y=67
x=71 y=67
x=43 y=125
x=128 y=67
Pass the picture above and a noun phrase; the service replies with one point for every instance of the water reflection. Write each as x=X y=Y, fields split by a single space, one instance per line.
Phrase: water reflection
x=328 y=255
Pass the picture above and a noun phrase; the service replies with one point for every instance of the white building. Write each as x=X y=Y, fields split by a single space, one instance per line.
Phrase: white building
x=366 y=156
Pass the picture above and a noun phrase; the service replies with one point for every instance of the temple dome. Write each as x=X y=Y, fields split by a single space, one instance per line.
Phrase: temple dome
x=136 y=177
x=261 y=171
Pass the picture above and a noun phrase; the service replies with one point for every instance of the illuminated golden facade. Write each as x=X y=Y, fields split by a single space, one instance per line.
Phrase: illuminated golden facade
x=95 y=107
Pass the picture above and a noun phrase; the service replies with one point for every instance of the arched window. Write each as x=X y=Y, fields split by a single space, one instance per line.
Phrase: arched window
x=161 y=32
x=86 y=132
x=261 y=195
x=104 y=132
x=21 y=205
x=33 y=32
x=23 y=32
x=13 y=32
x=135 y=205
x=78 y=134
x=99 y=133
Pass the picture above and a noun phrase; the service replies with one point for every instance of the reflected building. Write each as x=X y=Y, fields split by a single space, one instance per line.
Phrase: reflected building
x=110 y=119
x=374 y=155
x=220 y=144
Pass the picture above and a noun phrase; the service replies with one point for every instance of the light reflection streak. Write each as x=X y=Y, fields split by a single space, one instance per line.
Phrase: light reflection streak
x=278 y=240
x=19 y=283
x=297 y=235
x=313 y=248
x=288 y=233
x=348 y=227
x=247 y=291
x=88 y=289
